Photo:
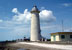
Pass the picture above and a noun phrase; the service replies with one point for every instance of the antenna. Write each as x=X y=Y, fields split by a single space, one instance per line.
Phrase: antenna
x=62 y=26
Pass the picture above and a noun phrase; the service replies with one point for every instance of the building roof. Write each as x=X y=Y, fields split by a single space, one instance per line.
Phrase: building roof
x=35 y=9
x=61 y=33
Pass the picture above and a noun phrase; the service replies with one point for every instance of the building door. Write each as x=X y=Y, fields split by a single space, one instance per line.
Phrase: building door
x=54 y=37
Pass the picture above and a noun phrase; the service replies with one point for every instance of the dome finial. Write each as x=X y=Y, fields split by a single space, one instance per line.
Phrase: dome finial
x=34 y=6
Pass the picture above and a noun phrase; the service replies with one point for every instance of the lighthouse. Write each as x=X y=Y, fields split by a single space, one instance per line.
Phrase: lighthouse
x=35 y=24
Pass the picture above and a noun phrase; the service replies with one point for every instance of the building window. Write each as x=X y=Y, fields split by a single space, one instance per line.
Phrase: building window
x=62 y=36
x=70 y=36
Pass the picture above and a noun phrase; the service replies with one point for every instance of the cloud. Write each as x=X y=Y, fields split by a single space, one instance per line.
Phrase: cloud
x=46 y=30
x=17 y=27
x=48 y=27
x=67 y=4
x=14 y=30
x=68 y=30
x=42 y=8
x=1 y=20
x=21 y=30
x=52 y=27
x=21 y=17
x=45 y=16
x=15 y=10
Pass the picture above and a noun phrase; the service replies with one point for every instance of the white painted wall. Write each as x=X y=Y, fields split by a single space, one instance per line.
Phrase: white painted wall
x=35 y=27
x=56 y=36
x=67 y=37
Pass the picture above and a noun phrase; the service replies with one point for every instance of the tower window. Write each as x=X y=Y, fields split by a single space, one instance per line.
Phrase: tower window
x=62 y=36
x=70 y=36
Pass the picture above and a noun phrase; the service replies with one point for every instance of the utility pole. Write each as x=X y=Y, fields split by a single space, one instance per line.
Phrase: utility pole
x=62 y=26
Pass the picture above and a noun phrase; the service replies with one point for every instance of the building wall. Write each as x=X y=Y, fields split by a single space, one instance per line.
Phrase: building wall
x=52 y=38
x=56 y=38
x=67 y=37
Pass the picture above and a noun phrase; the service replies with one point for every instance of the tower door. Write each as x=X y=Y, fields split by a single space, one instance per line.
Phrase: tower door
x=54 y=37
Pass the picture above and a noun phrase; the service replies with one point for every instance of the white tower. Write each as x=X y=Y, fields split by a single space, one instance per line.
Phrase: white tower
x=35 y=24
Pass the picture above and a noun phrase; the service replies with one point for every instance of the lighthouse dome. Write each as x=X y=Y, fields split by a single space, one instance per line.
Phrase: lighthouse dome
x=35 y=9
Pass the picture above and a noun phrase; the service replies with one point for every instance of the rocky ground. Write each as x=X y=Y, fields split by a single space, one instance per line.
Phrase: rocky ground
x=33 y=46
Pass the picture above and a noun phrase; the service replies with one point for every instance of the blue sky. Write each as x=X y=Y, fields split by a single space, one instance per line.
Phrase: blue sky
x=15 y=17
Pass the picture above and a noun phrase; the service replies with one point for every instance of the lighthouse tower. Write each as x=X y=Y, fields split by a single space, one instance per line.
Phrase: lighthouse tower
x=35 y=24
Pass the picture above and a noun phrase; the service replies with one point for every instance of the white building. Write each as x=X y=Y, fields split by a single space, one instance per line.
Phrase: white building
x=35 y=24
x=61 y=36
